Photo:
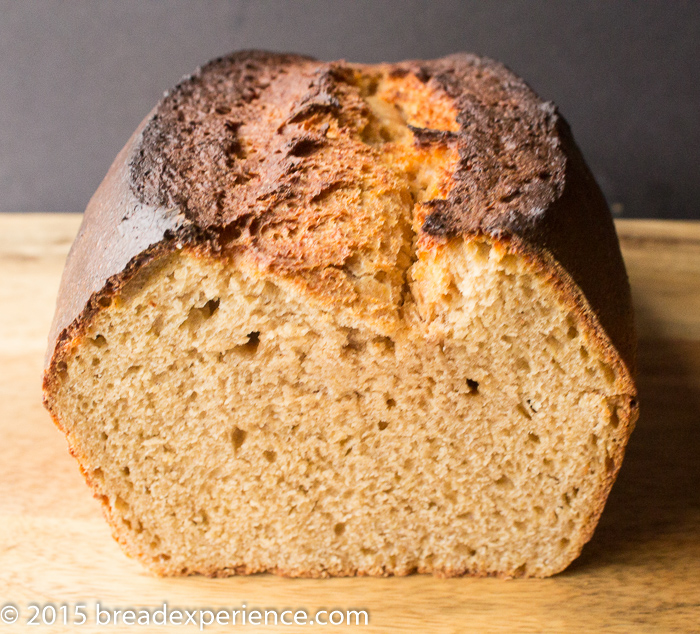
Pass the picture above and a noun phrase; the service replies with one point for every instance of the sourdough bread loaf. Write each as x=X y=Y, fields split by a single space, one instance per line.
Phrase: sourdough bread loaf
x=337 y=319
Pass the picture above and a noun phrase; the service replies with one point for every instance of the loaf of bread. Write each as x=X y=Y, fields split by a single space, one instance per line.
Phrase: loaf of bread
x=339 y=319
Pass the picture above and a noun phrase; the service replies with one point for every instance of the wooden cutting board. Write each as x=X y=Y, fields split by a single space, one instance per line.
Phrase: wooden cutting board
x=641 y=571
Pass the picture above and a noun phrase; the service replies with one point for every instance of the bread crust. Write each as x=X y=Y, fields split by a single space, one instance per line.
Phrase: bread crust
x=189 y=178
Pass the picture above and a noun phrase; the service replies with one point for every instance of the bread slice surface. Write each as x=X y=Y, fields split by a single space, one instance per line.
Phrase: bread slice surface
x=347 y=320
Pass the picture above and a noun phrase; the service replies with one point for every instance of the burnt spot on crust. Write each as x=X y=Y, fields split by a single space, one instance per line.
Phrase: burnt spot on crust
x=511 y=164
x=437 y=222
x=192 y=154
x=238 y=136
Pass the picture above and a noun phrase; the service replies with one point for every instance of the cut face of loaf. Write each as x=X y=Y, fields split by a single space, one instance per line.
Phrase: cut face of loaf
x=347 y=377
x=233 y=427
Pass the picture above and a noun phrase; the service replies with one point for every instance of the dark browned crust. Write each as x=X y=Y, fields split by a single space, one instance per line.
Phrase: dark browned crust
x=189 y=178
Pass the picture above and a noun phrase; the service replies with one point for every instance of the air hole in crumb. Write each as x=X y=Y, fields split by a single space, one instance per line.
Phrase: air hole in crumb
x=62 y=368
x=201 y=518
x=387 y=343
x=250 y=346
x=521 y=409
x=522 y=364
x=520 y=571
x=99 y=341
x=464 y=549
x=126 y=471
x=608 y=373
x=198 y=314
x=593 y=440
x=533 y=438
x=157 y=326
x=553 y=342
x=353 y=341
x=584 y=353
x=210 y=307
x=270 y=456
x=105 y=301
x=572 y=332
x=353 y=265
x=390 y=403
x=563 y=542
x=473 y=386
x=382 y=425
x=121 y=505
x=614 y=419
x=238 y=436
x=466 y=516
x=339 y=528
x=97 y=474
x=538 y=510
x=164 y=557
x=504 y=481
x=609 y=464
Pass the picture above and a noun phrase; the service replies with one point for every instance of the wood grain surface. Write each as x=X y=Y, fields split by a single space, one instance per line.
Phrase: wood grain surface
x=640 y=572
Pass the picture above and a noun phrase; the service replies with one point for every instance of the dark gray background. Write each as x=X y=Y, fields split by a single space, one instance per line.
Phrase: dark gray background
x=77 y=77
